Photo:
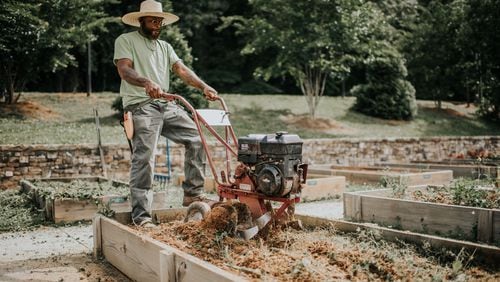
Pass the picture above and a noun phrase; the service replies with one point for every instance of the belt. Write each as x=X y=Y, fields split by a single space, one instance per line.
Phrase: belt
x=133 y=107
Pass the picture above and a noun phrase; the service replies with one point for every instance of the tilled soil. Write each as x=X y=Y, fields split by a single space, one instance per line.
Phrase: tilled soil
x=313 y=255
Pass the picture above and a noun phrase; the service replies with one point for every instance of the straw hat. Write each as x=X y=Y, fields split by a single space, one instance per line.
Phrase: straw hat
x=149 y=8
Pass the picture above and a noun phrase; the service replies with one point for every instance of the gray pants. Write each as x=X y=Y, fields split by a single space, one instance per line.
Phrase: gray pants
x=171 y=121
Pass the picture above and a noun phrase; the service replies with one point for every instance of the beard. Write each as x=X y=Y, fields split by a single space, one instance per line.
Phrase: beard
x=150 y=33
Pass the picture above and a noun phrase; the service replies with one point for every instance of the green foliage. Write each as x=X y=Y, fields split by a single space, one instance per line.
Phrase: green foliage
x=39 y=34
x=17 y=212
x=433 y=53
x=386 y=94
x=173 y=36
x=480 y=41
x=452 y=53
x=469 y=193
x=22 y=29
x=310 y=46
x=79 y=189
x=217 y=52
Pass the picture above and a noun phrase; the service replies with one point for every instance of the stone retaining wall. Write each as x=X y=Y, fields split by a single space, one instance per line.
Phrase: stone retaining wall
x=44 y=161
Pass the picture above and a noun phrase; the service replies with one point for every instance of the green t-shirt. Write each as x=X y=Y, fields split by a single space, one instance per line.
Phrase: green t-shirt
x=153 y=59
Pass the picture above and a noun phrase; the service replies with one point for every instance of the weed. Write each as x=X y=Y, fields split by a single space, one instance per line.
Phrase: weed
x=17 y=212
x=461 y=262
x=105 y=208
x=397 y=184
x=219 y=239
x=397 y=225
x=469 y=193
x=458 y=233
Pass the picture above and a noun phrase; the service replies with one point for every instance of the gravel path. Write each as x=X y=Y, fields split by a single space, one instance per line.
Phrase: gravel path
x=45 y=242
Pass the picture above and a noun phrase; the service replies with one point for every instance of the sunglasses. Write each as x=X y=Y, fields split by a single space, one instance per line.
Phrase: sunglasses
x=154 y=21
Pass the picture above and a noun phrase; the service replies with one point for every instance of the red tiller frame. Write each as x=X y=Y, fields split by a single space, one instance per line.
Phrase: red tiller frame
x=225 y=188
x=228 y=130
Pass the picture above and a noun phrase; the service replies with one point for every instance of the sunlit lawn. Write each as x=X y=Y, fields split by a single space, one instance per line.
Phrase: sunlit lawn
x=72 y=119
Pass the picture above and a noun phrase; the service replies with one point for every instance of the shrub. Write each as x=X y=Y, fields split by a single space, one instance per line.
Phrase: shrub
x=387 y=94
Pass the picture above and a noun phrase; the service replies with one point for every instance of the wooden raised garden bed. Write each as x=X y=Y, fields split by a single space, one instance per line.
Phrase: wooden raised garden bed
x=142 y=258
x=62 y=208
x=377 y=175
x=378 y=206
x=468 y=170
x=322 y=187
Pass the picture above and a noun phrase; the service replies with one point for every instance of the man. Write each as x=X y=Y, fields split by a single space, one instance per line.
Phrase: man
x=144 y=63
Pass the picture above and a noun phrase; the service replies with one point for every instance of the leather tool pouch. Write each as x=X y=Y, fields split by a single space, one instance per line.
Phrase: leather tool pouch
x=128 y=124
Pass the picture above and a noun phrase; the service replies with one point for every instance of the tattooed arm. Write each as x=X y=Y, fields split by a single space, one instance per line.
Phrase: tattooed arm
x=190 y=78
x=127 y=73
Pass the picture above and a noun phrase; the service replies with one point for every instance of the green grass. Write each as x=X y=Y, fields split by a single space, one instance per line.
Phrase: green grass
x=72 y=119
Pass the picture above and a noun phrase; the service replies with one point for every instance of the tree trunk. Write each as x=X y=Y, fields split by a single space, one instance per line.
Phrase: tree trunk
x=8 y=74
x=312 y=83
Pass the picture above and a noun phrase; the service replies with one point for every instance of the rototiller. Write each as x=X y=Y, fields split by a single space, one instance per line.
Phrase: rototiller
x=270 y=169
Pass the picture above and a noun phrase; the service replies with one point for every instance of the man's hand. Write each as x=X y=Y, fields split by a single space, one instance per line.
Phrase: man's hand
x=153 y=89
x=210 y=93
x=127 y=72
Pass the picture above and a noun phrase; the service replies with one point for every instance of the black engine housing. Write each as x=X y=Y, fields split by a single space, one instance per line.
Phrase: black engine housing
x=275 y=160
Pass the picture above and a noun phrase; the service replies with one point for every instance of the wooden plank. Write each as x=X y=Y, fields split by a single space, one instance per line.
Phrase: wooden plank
x=96 y=228
x=323 y=188
x=485 y=226
x=69 y=210
x=370 y=174
x=352 y=206
x=459 y=170
x=138 y=257
x=190 y=268
x=167 y=266
x=159 y=215
x=427 y=216
x=483 y=253
x=319 y=171
x=421 y=217
x=359 y=177
x=347 y=206
x=132 y=254
x=443 y=177
x=496 y=226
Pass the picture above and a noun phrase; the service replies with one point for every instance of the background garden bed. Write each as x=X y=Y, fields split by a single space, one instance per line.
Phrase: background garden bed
x=411 y=213
x=377 y=175
x=74 y=199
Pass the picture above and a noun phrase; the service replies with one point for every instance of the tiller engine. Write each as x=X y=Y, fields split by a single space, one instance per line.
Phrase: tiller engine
x=270 y=170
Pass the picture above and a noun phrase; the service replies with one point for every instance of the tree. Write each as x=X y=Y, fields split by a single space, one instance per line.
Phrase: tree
x=386 y=93
x=479 y=39
x=22 y=30
x=433 y=54
x=39 y=34
x=309 y=40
